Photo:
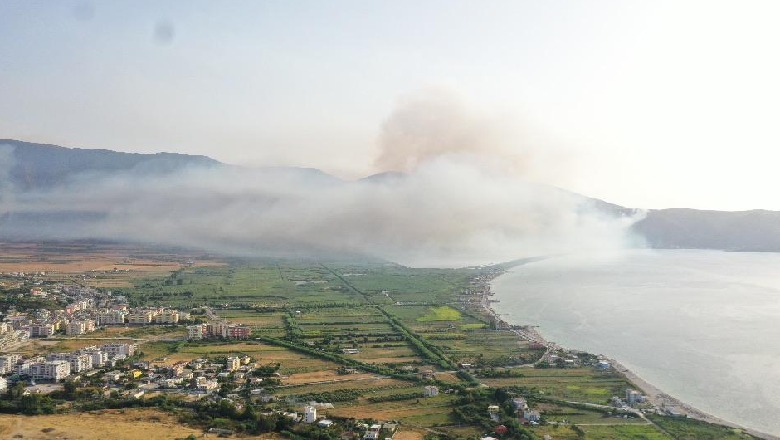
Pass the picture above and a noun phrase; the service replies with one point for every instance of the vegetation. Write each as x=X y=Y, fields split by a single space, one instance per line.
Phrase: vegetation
x=365 y=337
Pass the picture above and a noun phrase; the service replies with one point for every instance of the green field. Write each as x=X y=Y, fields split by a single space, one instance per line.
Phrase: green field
x=410 y=328
x=443 y=313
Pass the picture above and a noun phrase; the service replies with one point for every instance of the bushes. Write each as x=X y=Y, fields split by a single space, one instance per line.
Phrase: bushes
x=330 y=396
x=394 y=397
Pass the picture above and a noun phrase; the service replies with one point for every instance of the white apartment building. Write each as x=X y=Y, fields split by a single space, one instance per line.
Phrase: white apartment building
x=50 y=370
x=140 y=318
x=75 y=328
x=309 y=414
x=167 y=317
x=114 y=350
x=195 y=332
x=41 y=330
x=233 y=363
x=8 y=363
x=3 y=384
x=112 y=317
x=78 y=362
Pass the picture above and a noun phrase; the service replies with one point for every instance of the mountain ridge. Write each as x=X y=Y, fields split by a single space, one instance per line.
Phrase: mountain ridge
x=35 y=166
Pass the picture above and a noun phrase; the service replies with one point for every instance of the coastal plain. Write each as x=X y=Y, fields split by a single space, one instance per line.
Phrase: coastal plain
x=369 y=339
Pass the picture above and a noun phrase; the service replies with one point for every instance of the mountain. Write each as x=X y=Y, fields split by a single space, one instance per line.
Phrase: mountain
x=42 y=166
x=33 y=169
x=755 y=231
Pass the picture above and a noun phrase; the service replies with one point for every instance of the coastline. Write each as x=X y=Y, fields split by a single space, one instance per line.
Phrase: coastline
x=654 y=394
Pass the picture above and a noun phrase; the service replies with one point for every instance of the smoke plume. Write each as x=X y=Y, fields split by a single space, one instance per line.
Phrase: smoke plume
x=456 y=204
x=6 y=188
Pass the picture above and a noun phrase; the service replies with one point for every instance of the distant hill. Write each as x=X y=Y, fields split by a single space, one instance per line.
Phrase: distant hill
x=41 y=166
x=34 y=167
x=757 y=230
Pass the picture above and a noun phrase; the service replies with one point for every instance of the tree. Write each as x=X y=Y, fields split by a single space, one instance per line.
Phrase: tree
x=69 y=390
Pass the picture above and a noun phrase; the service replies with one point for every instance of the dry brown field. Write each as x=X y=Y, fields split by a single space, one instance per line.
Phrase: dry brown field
x=409 y=434
x=116 y=262
x=322 y=376
x=127 y=424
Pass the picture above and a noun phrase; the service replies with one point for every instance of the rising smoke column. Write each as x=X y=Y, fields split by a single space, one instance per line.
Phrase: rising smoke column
x=461 y=200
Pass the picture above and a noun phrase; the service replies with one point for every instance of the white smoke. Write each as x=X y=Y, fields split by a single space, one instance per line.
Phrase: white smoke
x=6 y=187
x=458 y=204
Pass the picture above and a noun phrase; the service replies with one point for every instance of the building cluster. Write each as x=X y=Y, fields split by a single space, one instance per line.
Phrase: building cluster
x=218 y=329
x=633 y=398
x=58 y=366
x=378 y=431
x=525 y=415
x=86 y=310
x=201 y=375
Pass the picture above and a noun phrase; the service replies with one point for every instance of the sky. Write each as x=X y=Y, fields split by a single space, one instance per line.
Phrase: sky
x=648 y=104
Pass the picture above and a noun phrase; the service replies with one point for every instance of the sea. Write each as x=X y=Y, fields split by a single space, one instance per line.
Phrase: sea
x=703 y=326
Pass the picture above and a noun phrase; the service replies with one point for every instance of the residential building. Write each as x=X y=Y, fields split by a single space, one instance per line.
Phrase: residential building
x=431 y=391
x=532 y=416
x=494 y=411
x=167 y=317
x=114 y=350
x=41 y=330
x=206 y=385
x=218 y=329
x=140 y=318
x=196 y=332
x=520 y=404
x=75 y=328
x=3 y=384
x=78 y=362
x=309 y=414
x=233 y=363
x=8 y=363
x=239 y=331
x=50 y=370
x=112 y=317
x=633 y=397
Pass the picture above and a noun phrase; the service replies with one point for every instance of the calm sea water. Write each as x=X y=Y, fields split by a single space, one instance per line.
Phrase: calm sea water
x=704 y=326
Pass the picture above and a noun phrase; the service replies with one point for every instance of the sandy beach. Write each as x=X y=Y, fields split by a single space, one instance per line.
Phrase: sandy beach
x=654 y=394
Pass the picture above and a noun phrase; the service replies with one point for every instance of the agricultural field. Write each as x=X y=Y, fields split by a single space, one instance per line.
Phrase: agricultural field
x=260 y=284
x=367 y=338
x=575 y=384
x=418 y=412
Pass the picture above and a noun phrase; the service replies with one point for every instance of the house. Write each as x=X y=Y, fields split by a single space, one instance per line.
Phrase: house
x=373 y=432
x=431 y=391
x=350 y=350
x=325 y=423
x=495 y=412
x=532 y=416
x=633 y=397
x=520 y=404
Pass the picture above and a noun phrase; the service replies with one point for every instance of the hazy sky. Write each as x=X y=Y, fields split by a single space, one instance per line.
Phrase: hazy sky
x=642 y=103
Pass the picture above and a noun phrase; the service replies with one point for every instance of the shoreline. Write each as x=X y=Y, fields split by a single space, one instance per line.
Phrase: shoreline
x=654 y=395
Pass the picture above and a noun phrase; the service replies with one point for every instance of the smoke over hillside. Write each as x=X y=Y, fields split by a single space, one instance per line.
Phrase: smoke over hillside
x=457 y=204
